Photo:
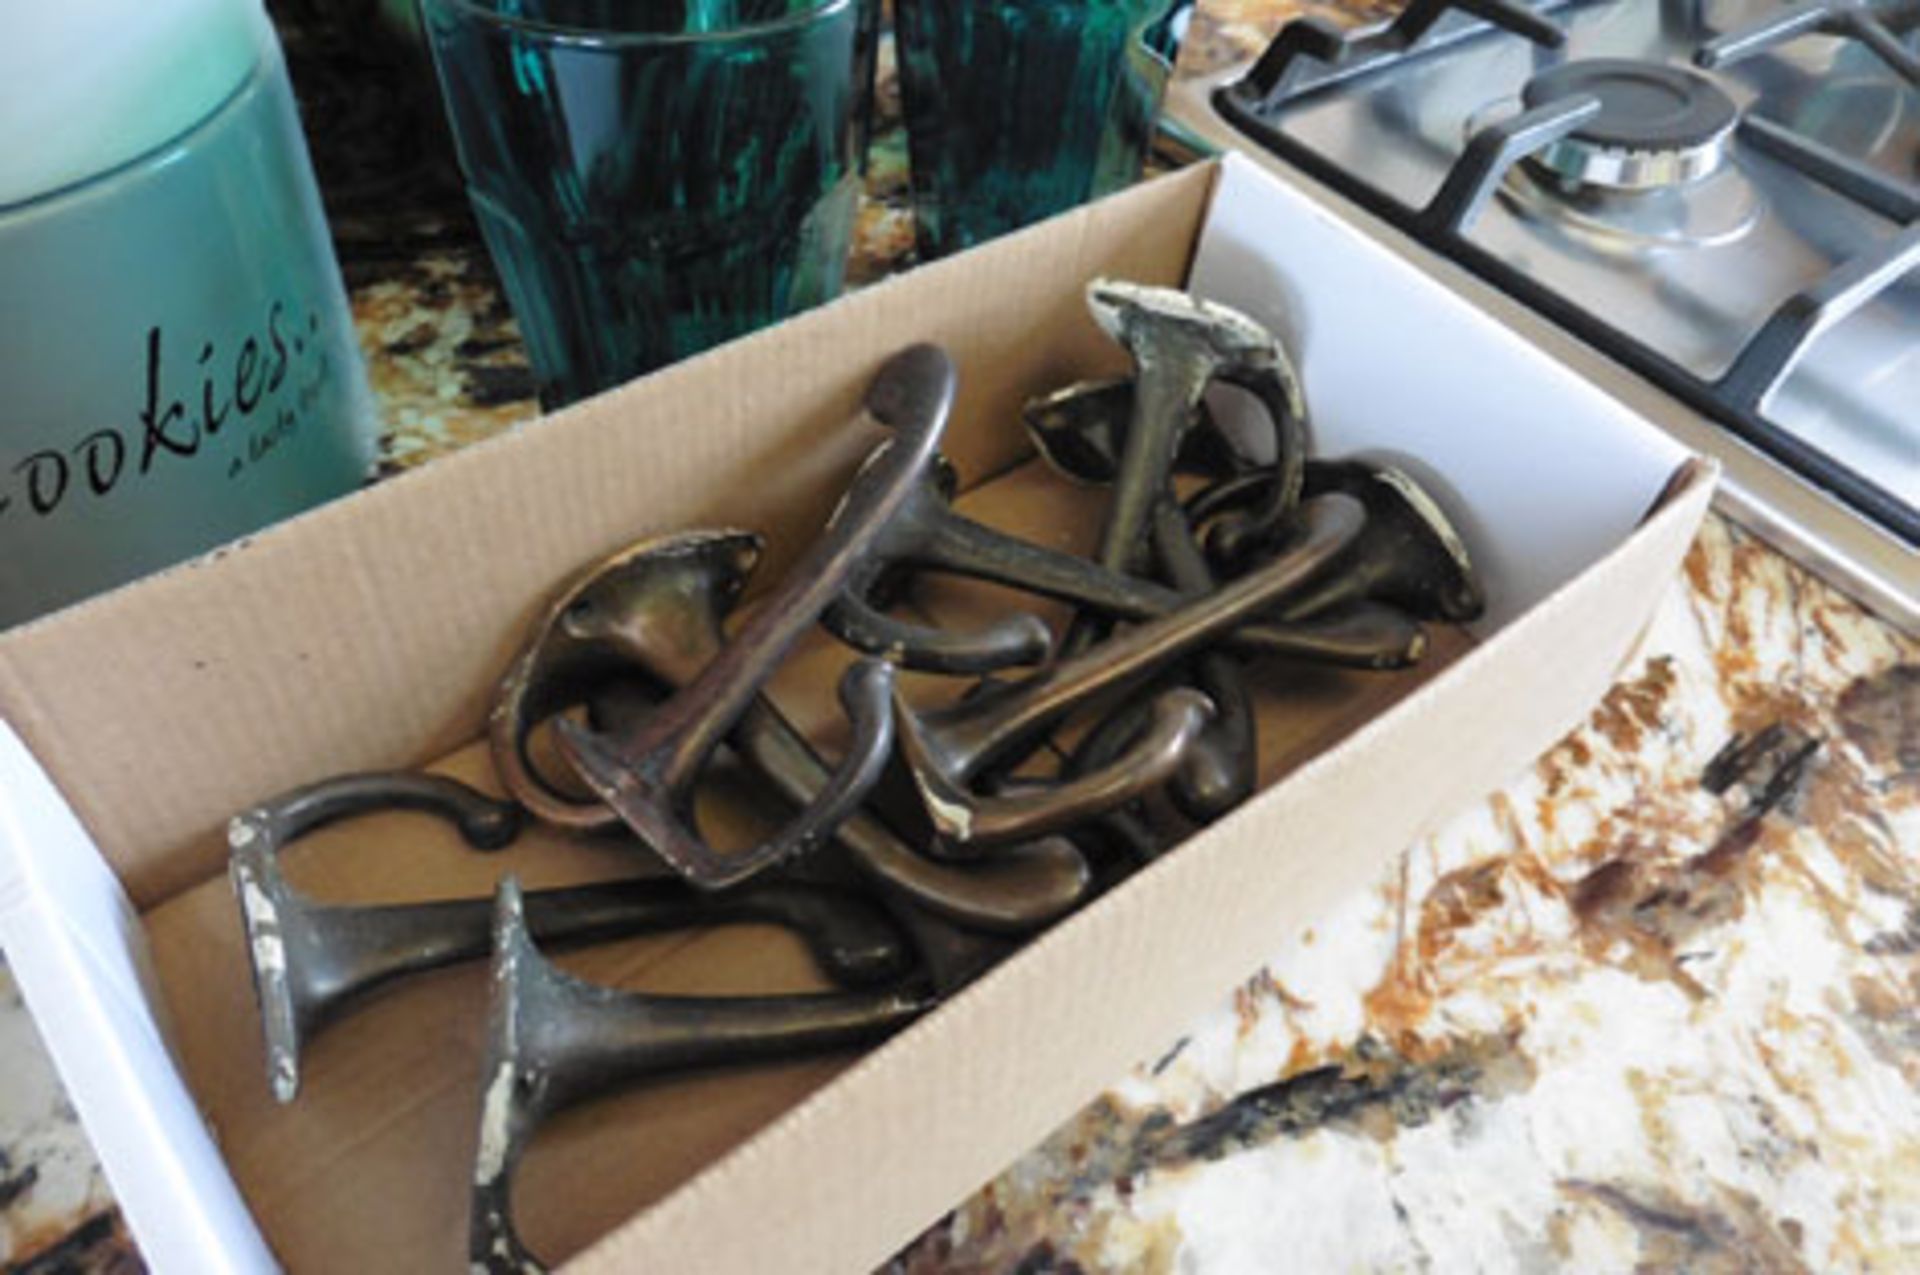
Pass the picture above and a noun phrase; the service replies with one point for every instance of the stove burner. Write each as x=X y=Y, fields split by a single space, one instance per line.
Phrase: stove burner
x=1715 y=209
x=1629 y=223
x=1658 y=125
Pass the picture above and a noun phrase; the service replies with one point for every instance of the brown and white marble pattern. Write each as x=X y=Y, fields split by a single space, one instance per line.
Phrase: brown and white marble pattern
x=1601 y=1021
x=56 y=1211
x=1605 y=1020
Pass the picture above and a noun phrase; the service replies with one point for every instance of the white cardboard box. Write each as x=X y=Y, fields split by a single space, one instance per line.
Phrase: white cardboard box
x=369 y=633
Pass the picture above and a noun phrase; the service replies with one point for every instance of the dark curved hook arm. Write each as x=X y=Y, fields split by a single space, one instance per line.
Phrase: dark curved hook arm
x=1234 y=537
x=1224 y=767
x=646 y=773
x=273 y=916
x=656 y=811
x=486 y=823
x=975 y=821
x=654 y=609
x=1079 y=432
x=1007 y=643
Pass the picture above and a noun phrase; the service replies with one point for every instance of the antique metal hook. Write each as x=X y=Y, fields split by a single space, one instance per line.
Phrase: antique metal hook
x=1181 y=345
x=1223 y=767
x=1365 y=635
x=657 y=610
x=1080 y=431
x=554 y=1040
x=1410 y=556
x=944 y=750
x=946 y=540
x=311 y=961
x=926 y=533
x=645 y=774
x=278 y=946
x=651 y=785
x=943 y=767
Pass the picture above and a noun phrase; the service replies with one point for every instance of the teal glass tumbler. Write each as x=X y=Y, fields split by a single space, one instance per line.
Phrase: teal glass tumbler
x=1020 y=109
x=652 y=179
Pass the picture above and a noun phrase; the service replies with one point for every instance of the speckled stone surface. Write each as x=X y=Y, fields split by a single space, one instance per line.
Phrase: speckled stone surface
x=1606 y=1020
x=56 y=1211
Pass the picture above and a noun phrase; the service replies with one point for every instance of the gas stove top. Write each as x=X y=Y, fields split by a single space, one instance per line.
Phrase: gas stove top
x=1721 y=196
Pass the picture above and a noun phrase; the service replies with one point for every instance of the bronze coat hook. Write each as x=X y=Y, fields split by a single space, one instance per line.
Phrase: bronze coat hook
x=946 y=749
x=654 y=608
x=1410 y=557
x=943 y=768
x=646 y=773
x=1080 y=431
x=312 y=961
x=1181 y=345
x=926 y=533
x=657 y=610
x=555 y=1040
x=1223 y=767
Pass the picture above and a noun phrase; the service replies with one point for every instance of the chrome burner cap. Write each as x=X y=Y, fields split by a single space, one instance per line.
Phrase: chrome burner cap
x=1658 y=125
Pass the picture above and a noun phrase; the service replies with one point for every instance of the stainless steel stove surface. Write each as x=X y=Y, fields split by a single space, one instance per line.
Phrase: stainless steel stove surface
x=1723 y=196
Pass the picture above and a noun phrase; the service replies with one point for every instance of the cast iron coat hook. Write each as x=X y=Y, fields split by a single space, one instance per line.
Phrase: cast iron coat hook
x=1223 y=767
x=657 y=609
x=1410 y=557
x=311 y=961
x=554 y=1040
x=644 y=609
x=1080 y=431
x=928 y=534
x=1181 y=345
x=947 y=748
x=278 y=948
x=646 y=774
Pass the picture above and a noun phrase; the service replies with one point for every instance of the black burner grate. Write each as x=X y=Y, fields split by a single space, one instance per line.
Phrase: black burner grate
x=1875 y=27
x=1289 y=63
x=1735 y=398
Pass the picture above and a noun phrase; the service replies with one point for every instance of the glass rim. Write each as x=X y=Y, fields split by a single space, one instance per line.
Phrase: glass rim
x=562 y=33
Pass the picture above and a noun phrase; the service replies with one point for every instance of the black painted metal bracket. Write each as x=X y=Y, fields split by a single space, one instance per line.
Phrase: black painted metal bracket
x=1312 y=39
x=1848 y=19
x=1766 y=360
x=1493 y=151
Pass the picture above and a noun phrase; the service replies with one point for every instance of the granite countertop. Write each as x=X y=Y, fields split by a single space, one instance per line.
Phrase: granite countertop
x=1655 y=1003
x=1605 y=1020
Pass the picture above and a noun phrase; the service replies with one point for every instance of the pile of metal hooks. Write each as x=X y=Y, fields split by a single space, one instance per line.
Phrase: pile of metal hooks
x=935 y=841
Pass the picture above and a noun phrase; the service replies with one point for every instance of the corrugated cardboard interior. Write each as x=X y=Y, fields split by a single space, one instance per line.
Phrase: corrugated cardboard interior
x=384 y=1129
x=370 y=634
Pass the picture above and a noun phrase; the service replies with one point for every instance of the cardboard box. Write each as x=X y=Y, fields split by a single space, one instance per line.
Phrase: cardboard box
x=369 y=634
